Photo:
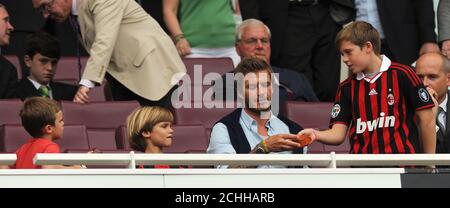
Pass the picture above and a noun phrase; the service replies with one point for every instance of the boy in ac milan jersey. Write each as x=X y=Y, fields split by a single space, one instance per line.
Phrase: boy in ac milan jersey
x=384 y=106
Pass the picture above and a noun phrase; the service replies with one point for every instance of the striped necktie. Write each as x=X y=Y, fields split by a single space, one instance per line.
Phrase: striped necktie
x=44 y=91
x=441 y=125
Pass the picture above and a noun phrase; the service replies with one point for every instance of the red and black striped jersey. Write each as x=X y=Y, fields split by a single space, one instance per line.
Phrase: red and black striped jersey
x=381 y=111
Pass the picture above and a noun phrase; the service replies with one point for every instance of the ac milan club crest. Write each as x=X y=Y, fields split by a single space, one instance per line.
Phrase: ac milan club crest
x=390 y=99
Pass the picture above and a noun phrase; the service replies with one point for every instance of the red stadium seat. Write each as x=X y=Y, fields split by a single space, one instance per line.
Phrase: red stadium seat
x=107 y=115
x=9 y=111
x=188 y=138
x=308 y=114
x=15 y=61
x=14 y=136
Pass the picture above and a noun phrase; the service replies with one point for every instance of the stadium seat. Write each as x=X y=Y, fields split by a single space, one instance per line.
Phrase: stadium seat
x=343 y=148
x=98 y=115
x=121 y=138
x=316 y=148
x=14 y=136
x=308 y=114
x=188 y=139
x=15 y=61
x=102 y=138
x=199 y=113
x=218 y=65
x=195 y=93
x=9 y=111
x=68 y=69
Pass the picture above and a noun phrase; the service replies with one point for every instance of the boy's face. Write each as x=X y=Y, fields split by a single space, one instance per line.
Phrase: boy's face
x=162 y=134
x=42 y=68
x=58 y=129
x=356 y=58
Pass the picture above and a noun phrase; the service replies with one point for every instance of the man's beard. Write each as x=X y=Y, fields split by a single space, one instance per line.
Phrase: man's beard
x=256 y=109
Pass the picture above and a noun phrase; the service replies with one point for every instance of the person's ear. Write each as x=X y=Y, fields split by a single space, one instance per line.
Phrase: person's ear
x=146 y=134
x=27 y=59
x=47 y=129
x=369 y=47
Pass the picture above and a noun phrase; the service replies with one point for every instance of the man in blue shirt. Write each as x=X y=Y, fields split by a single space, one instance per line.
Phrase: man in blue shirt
x=254 y=128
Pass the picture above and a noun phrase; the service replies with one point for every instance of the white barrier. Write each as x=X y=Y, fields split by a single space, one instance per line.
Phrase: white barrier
x=326 y=171
x=8 y=159
x=315 y=160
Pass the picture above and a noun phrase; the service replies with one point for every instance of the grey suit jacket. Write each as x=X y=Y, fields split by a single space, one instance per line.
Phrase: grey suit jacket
x=125 y=41
x=444 y=20
x=443 y=138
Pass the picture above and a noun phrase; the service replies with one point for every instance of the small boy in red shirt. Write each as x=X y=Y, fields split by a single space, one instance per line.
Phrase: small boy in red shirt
x=43 y=120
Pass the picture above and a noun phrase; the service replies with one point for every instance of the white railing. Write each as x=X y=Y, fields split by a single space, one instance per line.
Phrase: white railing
x=8 y=159
x=331 y=160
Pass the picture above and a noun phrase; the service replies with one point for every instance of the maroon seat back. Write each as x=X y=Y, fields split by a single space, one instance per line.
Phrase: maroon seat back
x=188 y=138
x=308 y=114
x=68 y=69
x=121 y=138
x=108 y=115
x=102 y=138
x=15 y=61
x=9 y=111
x=218 y=65
x=201 y=113
x=14 y=136
x=343 y=148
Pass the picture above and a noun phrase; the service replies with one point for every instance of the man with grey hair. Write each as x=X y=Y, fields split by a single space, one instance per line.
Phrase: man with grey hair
x=253 y=40
x=8 y=73
x=434 y=70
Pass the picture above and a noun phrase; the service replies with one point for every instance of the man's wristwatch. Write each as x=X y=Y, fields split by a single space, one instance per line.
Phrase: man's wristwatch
x=260 y=150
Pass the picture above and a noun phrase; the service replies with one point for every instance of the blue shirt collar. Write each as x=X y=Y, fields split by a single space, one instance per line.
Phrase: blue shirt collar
x=249 y=121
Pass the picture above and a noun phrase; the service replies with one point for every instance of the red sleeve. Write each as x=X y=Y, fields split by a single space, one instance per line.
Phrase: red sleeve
x=52 y=148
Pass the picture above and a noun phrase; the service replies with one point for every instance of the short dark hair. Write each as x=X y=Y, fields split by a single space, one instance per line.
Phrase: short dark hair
x=358 y=33
x=252 y=65
x=36 y=113
x=43 y=43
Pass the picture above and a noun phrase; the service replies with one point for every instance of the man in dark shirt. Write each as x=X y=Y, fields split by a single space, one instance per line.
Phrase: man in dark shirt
x=253 y=40
x=8 y=73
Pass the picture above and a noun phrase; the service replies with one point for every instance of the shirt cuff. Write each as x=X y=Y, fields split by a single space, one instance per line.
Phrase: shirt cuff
x=87 y=83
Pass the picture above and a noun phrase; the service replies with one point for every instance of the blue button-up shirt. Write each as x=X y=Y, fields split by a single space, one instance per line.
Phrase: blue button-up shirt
x=367 y=10
x=220 y=142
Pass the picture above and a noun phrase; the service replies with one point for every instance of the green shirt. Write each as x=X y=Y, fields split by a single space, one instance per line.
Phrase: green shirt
x=207 y=23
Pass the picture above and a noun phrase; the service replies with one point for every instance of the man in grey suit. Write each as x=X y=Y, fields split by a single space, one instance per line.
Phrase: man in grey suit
x=434 y=70
x=444 y=26
x=126 y=45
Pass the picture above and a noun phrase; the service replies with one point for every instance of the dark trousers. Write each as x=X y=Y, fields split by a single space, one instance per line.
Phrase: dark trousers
x=309 y=48
x=120 y=92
